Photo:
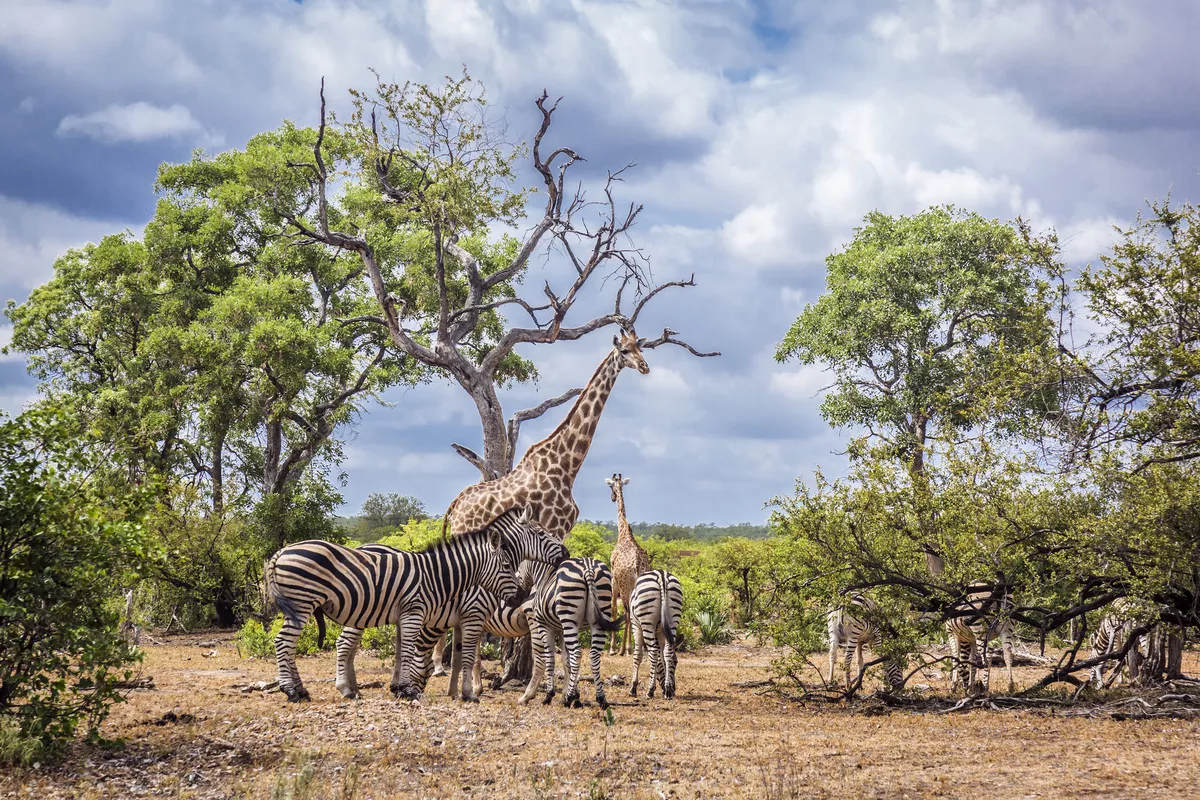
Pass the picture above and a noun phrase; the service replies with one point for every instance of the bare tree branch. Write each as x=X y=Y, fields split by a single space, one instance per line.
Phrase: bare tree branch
x=668 y=337
x=514 y=422
x=487 y=472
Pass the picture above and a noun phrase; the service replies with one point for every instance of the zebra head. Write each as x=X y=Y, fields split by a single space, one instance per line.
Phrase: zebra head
x=499 y=570
x=529 y=541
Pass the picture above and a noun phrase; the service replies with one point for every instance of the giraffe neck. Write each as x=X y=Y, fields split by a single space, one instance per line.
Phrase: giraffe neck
x=569 y=443
x=623 y=530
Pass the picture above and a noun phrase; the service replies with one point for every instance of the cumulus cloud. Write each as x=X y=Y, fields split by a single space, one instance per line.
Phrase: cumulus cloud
x=136 y=122
x=763 y=132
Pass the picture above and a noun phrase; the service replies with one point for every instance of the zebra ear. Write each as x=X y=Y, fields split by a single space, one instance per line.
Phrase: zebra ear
x=494 y=538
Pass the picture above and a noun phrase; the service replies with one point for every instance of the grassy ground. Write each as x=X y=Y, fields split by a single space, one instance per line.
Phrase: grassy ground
x=195 y=735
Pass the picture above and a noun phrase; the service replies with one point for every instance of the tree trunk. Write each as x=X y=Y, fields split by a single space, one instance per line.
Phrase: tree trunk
x=1174 y=659
x=217 y=474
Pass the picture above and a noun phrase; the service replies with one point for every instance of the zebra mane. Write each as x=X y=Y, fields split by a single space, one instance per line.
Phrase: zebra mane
x=471 y=537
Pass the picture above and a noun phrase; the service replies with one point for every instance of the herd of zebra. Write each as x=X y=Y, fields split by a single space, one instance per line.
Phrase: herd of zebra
x=981 y=616
x=510 y=579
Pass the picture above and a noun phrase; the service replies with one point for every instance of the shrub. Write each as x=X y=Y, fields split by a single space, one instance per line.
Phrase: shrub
x=18 y=748
x=66 y=545
x=381 y=641
x=713 y=628
x=416 y=536
x=254 y=641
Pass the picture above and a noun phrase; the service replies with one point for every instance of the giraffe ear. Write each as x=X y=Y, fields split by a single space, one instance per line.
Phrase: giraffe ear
x=609 y=481
x=641 y=343
x=625 y=481
x=616 y=341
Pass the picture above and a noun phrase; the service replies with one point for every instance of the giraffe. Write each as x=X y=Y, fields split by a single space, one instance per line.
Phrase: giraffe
x=629 y=561
x=543 y=479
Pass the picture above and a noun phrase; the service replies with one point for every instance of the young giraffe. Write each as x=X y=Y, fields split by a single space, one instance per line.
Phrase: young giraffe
x=543 y=479
x=629 y=561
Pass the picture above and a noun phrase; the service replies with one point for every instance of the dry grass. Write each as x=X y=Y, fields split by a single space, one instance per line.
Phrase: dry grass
x=714 y=740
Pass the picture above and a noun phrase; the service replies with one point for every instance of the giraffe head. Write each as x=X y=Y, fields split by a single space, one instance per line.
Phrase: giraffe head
x=615 y=483
x=629 y=350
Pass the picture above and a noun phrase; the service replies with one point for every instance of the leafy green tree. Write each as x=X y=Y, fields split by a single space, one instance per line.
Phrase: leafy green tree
x=67 y=543
x=590 y=540
x=1138 y=381
x=391 y=509
x=931 y=324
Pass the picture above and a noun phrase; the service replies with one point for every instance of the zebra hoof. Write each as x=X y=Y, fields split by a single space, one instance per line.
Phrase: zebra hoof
x=572 y=701
x=470 y=699
x=633 y=690
x=602 y=701
x=549 y=698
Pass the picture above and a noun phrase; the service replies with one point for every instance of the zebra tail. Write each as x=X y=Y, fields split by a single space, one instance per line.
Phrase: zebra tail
x=320 y=615
x=595 y=611
x=666 y=609
x=270 y=589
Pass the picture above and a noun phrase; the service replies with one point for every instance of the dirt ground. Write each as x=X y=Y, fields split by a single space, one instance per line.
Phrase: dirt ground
x=196 y=735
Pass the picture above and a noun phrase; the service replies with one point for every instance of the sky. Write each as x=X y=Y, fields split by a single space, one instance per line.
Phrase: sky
x=763 y=133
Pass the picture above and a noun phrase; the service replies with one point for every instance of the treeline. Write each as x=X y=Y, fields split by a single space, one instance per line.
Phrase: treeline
x=704 y=532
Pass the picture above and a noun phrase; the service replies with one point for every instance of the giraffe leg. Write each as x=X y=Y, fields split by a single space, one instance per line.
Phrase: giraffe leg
x=439 y=651
x=347 y=646
x=456 y=657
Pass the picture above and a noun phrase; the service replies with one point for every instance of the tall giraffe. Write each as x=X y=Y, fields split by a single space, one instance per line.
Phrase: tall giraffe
x=543 y=479
x=629 y=561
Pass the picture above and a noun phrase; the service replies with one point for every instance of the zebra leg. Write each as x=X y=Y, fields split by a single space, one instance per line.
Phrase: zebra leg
x=571 y=655
x=599 y=635
x=467 y=654
x=652 y=642
x=347 y=647
x=408 y=654
x=549 y=651
x=538 y=672
x=285 y=660
x=669 y=661
x=477 y=675
x=639 y=650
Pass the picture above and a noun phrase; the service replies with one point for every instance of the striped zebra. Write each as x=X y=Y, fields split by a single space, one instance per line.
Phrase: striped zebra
x=980 y=616
x=371 y=586
x=655 y=605
x=851 y=626
x=576 y=595
x=1119 y=620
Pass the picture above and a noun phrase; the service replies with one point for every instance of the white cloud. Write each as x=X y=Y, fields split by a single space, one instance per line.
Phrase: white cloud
x=757 y=235
x=32 y=236
x=804 y=385
x=26 y=106
x=136 y=122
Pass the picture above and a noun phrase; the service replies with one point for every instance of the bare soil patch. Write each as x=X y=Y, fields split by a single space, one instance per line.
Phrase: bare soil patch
x=197 y=734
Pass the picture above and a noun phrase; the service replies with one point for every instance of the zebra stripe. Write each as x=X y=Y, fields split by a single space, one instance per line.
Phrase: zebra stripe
x=576 y=595
x=1118 y=622
x=980 y=616
x=656 y=604
x=851 y=626
x=376 y=585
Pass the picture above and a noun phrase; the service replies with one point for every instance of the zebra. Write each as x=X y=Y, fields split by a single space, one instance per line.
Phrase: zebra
x=655 y=605
x=980 y=616
x=1115 y=626
x=371 y=586
x=576 y=595
x=851 y=626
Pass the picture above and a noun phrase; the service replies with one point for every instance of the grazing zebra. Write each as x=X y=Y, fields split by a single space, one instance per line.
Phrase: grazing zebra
x=1115 y=626
x=982 y=615
x=370 y=586
x=576 y=595
x=655 y=605
x=851 y=626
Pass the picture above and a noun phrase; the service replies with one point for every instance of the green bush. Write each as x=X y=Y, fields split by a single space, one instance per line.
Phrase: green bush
x=589 y=540
x=67 y=544
x=17 y=748
x=254 y=641
x=713 y=628
x=416 y=536
x=381 y=641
